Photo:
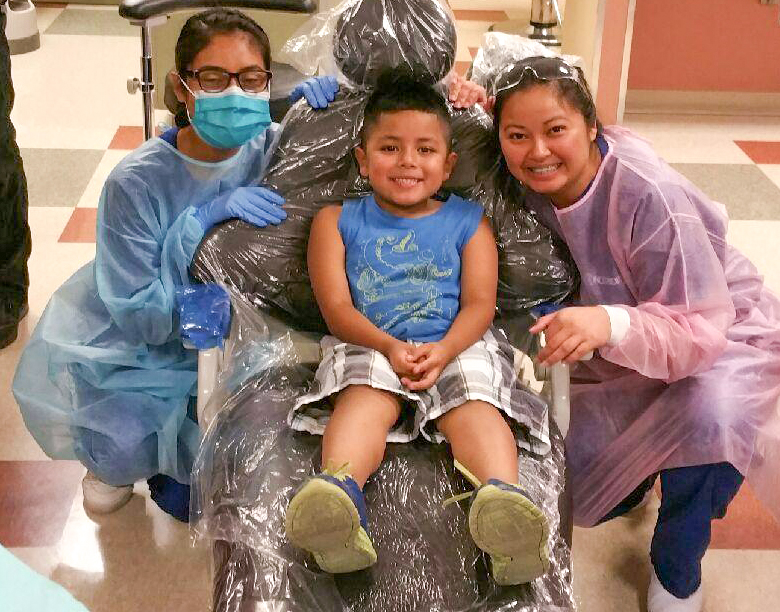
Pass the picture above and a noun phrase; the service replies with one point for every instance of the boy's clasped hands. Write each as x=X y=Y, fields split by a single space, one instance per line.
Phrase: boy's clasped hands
x=418 y=366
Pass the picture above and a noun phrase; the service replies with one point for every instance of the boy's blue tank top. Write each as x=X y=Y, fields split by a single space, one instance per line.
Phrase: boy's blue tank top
x=404 y=274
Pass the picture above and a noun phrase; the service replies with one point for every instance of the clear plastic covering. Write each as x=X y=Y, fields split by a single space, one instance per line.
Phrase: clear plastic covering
x=500 y=52
x=358 y=38
x=250 y=462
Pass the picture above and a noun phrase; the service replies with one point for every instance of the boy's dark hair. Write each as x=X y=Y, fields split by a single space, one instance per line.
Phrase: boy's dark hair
x=398 y=90
x=198 y=31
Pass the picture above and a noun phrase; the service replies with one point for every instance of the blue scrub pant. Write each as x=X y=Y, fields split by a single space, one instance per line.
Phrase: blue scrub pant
x=125 y=461
x=133 y=457
x=690 y=498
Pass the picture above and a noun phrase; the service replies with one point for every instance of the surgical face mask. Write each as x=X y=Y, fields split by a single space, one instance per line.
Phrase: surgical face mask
x=230 y=118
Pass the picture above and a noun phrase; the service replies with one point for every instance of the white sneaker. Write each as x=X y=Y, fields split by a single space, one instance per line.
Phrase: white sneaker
x=102 y=498
x=661 y=600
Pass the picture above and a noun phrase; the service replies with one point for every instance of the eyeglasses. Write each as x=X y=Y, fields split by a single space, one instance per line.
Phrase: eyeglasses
x=549 y=69
x=541 y=69
x=215 y=80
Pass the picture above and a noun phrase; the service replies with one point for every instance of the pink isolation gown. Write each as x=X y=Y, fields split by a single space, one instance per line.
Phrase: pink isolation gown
x=696 y=379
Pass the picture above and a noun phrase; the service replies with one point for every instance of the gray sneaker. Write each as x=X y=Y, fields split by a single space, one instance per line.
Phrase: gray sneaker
x=512 y=529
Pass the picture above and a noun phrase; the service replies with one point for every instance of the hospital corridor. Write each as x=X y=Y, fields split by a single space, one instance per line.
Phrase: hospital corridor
x=75 y=121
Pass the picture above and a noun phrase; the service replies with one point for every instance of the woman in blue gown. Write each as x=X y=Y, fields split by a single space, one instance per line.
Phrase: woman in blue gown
x=105 y=378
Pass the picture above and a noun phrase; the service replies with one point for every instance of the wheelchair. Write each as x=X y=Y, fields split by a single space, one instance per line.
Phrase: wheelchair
x=250 y=462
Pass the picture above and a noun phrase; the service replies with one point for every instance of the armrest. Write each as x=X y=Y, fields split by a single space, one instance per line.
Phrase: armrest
x=209 y=364
x=307 y=348
x=558 y=377
x=551 y=382
x=139 y=10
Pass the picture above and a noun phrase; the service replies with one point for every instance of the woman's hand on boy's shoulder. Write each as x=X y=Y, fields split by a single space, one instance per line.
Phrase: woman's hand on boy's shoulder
x=465 y=94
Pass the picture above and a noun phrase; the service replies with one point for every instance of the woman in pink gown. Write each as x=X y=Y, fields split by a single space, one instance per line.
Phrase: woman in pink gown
x=686 y=376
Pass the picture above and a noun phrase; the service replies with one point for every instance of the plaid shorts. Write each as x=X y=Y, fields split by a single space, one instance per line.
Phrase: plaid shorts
x=484 y=371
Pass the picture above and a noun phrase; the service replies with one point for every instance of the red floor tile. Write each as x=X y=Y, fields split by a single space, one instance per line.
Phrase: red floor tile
x=748 y=525
x=127 y=137
x=35 y=500
x=761 y=152
x=80 y=226
x=492 y=16
x=473 y=51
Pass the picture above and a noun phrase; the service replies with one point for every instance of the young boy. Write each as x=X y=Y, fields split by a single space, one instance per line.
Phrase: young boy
x=407 y=285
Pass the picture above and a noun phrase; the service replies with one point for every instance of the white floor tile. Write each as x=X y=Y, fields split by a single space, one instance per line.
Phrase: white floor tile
x=693 y=139
x=51 y=263
x=677 y=145
x=758 y=241
x=611 y=564
x=45 y=16
x=741 y=580
x=137 y=558
x=91 y=195
x=772 y=171
x=80 y=103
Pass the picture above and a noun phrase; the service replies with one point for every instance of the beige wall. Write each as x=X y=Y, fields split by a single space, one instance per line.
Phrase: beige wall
x=599 y=31
x=582 y=34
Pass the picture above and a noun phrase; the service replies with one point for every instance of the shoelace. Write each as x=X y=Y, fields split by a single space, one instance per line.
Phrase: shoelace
x=340 y=473
x=468 y=476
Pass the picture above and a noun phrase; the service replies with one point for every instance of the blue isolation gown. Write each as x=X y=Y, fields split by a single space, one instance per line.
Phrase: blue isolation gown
x=105 y=378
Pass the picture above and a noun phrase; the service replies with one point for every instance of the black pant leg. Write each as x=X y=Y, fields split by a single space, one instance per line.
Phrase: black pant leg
x=15 y=240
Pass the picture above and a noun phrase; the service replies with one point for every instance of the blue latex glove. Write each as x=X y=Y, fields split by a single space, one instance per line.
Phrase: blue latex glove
x=318 y=91
x=204 y=315
x=256 y=205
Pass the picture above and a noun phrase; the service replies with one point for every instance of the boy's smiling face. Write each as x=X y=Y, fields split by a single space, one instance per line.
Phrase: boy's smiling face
x=406 y=158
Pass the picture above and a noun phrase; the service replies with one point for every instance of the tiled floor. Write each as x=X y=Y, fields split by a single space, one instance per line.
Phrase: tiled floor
x=75 y=121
